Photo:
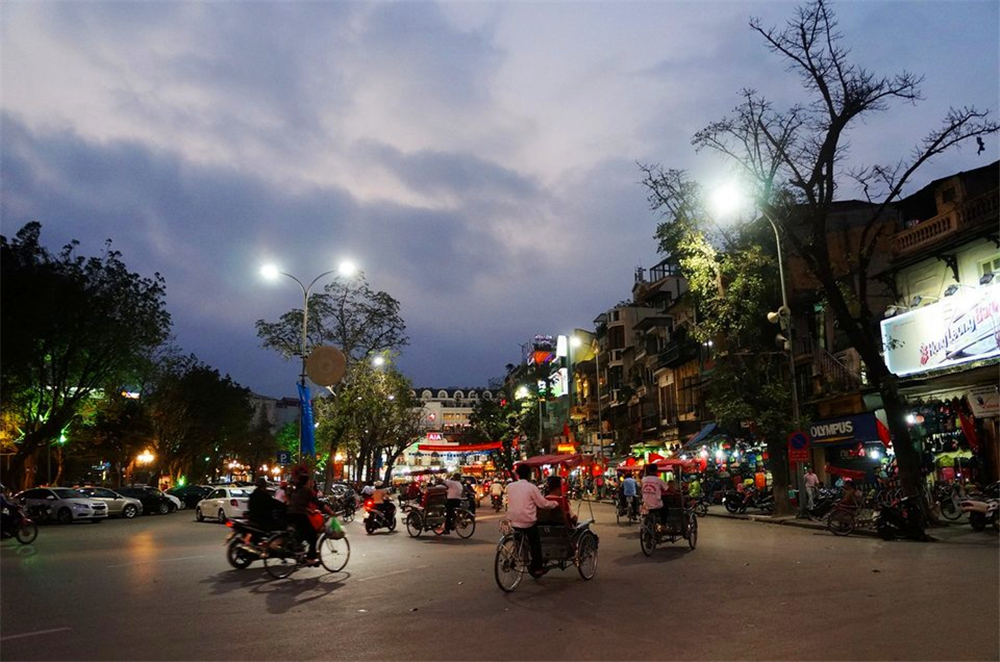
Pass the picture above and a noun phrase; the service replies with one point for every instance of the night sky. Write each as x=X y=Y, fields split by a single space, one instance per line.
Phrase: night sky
x=477 y=160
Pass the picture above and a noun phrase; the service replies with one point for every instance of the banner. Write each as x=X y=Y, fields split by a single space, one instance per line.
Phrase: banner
x=960 y=328
x=307 y=437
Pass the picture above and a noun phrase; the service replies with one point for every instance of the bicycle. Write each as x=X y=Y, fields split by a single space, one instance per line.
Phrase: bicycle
x=562 y=547
x=285 y=552
x=845 y=517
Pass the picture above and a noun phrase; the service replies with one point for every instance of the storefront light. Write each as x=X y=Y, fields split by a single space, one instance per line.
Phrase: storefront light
x=911 y=419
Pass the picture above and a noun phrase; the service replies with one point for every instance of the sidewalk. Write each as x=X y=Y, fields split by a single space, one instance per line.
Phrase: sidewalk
x=959 y=531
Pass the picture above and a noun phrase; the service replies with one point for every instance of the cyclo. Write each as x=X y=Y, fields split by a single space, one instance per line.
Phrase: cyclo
x=432 y=516
x=680 y=520
x=562 y=545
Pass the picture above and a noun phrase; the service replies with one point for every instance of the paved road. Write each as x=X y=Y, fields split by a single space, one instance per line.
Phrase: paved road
x=159 y=588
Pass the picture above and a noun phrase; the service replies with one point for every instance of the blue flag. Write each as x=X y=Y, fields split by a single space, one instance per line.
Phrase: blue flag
x=308 y=439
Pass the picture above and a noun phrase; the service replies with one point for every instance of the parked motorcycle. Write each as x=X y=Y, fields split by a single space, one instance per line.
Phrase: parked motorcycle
x=750 y=498
x=826 y=498
x=379 y=517
x=904 y=519
x=948 y=499
x=983 y=510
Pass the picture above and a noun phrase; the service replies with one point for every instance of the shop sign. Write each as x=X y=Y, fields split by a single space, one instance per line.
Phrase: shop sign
x=845 y=429
x=955 y=330
x=984 y=401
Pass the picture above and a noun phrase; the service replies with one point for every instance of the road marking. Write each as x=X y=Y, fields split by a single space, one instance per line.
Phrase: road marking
x=182 y=558
x=395 y=572
x=32 y=634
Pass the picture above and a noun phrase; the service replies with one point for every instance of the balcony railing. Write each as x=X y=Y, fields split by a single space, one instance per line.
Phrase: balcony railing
x=977 y=211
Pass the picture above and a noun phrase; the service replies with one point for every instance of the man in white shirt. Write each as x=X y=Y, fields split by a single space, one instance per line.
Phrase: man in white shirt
x=455 y=492
x=496 y=489
x=653 y=489
x=523 y=501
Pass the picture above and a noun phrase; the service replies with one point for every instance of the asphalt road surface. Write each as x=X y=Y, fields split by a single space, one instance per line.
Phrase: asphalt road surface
x=159 y=588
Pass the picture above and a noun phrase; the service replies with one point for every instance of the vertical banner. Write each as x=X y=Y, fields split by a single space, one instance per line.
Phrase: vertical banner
x=307 y=438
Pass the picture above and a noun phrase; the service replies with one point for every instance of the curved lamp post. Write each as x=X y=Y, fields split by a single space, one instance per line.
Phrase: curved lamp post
x=272 y=272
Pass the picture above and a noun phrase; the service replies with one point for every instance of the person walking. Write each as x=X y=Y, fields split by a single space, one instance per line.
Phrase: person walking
x=811 y=484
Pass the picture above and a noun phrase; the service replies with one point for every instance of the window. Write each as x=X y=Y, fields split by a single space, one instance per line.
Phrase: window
x=442 y=394
x=425 y=395
x=459 y=395
x=990 y=265
x=217 y=494
x=488 y=395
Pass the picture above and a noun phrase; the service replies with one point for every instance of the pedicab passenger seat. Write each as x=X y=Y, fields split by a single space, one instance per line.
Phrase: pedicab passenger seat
x=674 y=508
x=554 y=533
x=436 y=501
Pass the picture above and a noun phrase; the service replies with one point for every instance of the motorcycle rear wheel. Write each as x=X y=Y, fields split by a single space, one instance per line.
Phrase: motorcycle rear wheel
x=237 y=556
x=26 y=533
x=281 y=559
x=949 y=510
x=732 y=507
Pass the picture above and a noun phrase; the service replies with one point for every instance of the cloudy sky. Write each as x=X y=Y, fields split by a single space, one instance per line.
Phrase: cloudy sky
x=476 y=159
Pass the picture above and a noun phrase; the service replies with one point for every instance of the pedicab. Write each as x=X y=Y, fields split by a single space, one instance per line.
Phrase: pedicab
x=432 y=515
x=680 y=520
x=563 y=544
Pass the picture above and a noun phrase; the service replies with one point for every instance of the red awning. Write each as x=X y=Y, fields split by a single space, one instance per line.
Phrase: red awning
x=461 y=448
x=569 y=460
x=853 y=474
x=670 y=463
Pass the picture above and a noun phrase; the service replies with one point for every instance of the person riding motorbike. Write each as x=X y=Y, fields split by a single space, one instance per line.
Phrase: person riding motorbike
x=263 y=510
x=7 y=510
x=381 y=502
x=496 y=491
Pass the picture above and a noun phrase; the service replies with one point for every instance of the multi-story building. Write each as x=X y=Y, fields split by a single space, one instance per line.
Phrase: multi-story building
x=943 y=334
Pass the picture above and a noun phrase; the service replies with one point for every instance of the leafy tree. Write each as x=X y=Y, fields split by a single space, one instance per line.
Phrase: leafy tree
x=498 y=419
x=349 y=315
x=71 y=326
x=795 y=160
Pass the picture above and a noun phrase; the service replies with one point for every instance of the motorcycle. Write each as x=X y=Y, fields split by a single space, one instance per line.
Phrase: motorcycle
x=497 y=502
x=904 y=519
x=985 y=510
x=23 y=527
x=948 y=498
x=826 y=498
x=377 y=518
x=245 y=543
x=750 y=498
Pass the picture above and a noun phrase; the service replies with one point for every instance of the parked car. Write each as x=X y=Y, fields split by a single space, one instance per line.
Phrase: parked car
x=223 y=503
x=64 y=504
x=178 y=504
x=190 y=494
x=153 y=501
x=118 y=505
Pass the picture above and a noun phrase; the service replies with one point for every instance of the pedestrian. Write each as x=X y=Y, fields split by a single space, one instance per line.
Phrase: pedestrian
x=812 y=484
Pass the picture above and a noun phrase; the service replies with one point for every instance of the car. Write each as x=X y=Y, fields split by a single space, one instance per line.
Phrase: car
x=178 y=504
x=190 y=494
x=153 y=501
x=223 y=504
x=118 y=505
x=65 y=504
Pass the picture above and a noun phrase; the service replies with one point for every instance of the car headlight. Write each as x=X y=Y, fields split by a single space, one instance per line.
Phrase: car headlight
x=81 y=506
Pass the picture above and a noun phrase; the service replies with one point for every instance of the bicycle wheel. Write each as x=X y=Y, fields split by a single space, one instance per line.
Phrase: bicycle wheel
x=26 y=533
x=701 y=509
x=840 y=522
x=281 y=559
x=692 y=532
x=465 y=523
x=510 y=563
x=333 y=552
x=414 y=525
x=647 y=536
x=587 y=556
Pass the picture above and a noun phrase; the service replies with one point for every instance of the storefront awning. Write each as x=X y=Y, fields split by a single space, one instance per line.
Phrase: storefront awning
x=701 y=436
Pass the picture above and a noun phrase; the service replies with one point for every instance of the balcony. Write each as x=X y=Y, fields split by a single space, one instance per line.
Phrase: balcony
x=978 y=211
x=677 y=353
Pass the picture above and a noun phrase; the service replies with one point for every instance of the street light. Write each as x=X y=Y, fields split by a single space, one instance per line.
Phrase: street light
x=725 y=201
x=271 y=272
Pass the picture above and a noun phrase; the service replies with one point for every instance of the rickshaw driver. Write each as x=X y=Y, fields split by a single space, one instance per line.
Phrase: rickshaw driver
x=523 y=501
x=653 y=489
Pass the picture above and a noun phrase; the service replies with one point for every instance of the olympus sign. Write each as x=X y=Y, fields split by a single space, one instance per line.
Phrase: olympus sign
x=832 y=429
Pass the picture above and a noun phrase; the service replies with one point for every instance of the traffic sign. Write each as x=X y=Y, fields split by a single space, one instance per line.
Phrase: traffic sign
x=284 y=457
x=798 y=446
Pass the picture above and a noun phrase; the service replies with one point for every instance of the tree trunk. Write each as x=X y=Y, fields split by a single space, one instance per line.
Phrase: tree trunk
x=777 y=450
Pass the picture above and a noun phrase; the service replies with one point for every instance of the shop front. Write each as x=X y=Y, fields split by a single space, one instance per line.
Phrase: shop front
x=857 y=443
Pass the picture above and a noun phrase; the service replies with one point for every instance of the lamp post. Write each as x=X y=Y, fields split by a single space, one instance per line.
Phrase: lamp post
x=271 y=272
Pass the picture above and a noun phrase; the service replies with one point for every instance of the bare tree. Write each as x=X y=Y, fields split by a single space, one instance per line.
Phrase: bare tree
x=795 y=160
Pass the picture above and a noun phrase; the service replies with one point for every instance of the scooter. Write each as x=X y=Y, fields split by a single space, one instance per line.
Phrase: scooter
x=245 y=543
x=497 y=502
x=984 y=510
x=22 y=525
x=903 y=520
x=377 y=518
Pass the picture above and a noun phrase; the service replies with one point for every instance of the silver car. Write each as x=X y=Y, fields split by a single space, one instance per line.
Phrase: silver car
x=64 y=504
x=118 y=505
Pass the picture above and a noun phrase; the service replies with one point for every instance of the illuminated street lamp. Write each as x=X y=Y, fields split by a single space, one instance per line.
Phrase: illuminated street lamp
x=271 y=272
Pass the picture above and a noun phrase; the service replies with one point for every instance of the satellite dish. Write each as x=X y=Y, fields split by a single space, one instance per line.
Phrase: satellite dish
x=326 y=365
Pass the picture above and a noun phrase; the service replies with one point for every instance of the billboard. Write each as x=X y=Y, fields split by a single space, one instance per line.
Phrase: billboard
x=955 y=330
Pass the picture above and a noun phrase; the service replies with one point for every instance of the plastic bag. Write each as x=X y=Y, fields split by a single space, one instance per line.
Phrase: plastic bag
x=334 y=529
